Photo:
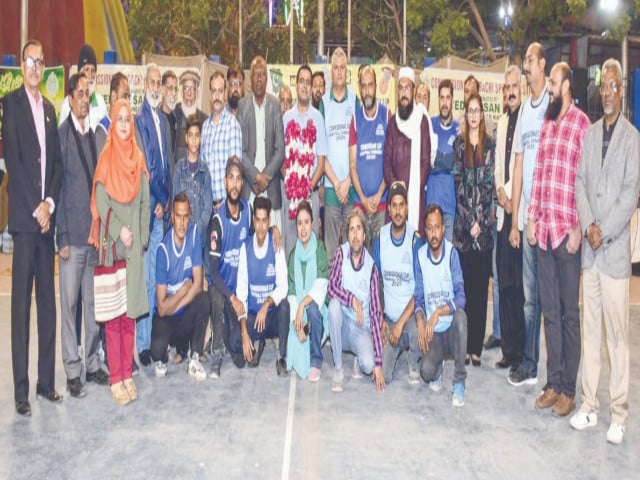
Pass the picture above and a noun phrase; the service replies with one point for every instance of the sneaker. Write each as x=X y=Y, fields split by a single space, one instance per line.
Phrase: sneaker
x=196 y=370
x=615 y=434
x=414 y=376
x=435 y=385
x=520 y=376
x=356 y=369
x=76 y=388
x=216 y=365
x=338 y=378
x=581 y=419
x=314 y=374
x=458 y=395
x=161 y=369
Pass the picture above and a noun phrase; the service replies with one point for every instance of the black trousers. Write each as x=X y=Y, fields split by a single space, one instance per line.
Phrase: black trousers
x=33 y=257
x=191 y=323
x=476 y=270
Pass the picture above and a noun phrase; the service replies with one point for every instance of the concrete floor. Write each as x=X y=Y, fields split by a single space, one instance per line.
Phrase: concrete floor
x=250 y=423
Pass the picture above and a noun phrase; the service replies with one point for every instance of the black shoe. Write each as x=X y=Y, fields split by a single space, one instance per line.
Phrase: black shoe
x=99 y=377
x=467 y=360
x=503 y=363
x=281 y=367
x=51 y=395
x=23 y=408
x=75 y=388
x=476 y=363
x=257 y=354
x=145 y=357
x=492 y=342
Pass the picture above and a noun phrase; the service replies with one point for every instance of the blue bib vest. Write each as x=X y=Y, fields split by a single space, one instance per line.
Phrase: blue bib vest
x=357 y=282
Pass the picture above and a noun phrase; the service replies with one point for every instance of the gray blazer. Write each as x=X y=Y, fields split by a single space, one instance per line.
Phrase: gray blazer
x=607 y=194
x=274 y=148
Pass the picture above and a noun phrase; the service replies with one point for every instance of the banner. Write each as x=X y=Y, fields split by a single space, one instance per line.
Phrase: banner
x=280 y=75
x=52 y=85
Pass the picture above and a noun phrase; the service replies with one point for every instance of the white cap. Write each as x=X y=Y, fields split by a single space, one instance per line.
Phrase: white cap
x=408 y=73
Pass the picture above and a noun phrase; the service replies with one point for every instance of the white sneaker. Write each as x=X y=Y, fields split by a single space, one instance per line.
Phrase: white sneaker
x=338 y=378
x=356 y=369
x=195 y=369
x=161 y=369
x=615 y=434
x=314 y=374
x=581 y=420
x=435 y=385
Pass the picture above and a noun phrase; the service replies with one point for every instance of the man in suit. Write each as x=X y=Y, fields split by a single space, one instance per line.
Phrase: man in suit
x=32 y=155
x=607 y=185
x=262 y=141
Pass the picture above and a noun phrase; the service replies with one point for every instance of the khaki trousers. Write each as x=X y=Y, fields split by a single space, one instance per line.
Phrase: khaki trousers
x=605 y=297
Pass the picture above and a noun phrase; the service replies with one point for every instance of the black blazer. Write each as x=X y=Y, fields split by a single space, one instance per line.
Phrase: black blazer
x=22 y=157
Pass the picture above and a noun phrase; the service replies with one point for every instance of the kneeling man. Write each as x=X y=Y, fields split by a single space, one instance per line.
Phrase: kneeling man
x=183 y=308
x=439 y=306
x=262 y=289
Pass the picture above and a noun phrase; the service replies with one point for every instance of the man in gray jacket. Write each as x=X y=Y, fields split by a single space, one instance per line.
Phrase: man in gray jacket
x=77 y=257
x=607 y=185
x=262 y=141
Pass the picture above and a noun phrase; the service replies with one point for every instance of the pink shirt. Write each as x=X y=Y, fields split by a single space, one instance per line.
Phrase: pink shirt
x=37 y=109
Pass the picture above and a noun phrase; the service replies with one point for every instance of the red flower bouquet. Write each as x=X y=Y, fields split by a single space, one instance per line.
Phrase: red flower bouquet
x=298 y=163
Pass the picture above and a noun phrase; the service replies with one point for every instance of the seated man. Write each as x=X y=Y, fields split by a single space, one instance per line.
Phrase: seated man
x=393 y=251
x=262 y=289
x=439 y=306
x=183 y=308
x=355 y=316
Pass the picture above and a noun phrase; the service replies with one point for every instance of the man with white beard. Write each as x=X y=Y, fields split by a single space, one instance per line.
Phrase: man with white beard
x=97 y=108
x=153 y=137
x=190 y=82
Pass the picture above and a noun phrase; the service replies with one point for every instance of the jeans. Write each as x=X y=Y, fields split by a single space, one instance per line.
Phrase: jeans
x=408 y=342
x=532 y=307
x=452 y=341
x=314 y=317
x=335 y=228
x=143 y=328
x=559 y=274
x=448 y=227
x=276 y=325
x=347 y=335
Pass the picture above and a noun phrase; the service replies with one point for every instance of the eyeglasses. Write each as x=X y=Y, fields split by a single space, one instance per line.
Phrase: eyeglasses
x=474 y=111
x=235 y=84
x=31 y=62
x=609 y=87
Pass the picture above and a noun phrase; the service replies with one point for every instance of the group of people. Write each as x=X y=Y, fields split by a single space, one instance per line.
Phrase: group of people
x=330 y=217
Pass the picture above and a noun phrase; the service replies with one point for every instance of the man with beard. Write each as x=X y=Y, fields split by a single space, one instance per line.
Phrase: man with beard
x=221 y=137
x=526 y=148
x=366 y=142
x=169 y=97
x=153 y=136
x=235 y=79
x=302 y=114
x=355 y=314
x=439 y=306
x=286 y=100
x=87 y=64
x=190 y=82
x=508 y=258
x=318 y=87
x=393 y=251
x=228 y=229
x=407 y=148
x=607 y=187
x=262 y=141
x=340 y=103
x=554 y=227
x=440 y=189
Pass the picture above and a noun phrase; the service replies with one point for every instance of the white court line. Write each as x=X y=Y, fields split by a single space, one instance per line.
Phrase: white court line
x=286 y=457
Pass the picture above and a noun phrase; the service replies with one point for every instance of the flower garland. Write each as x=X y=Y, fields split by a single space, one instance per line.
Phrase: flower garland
x=298 y=163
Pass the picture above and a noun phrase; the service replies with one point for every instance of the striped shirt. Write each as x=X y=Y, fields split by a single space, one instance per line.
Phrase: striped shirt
x=553 y=200
x=219 y=142
x=345 y=297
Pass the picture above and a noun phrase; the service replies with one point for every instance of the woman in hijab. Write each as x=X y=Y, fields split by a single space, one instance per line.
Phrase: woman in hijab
x=121 y=184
